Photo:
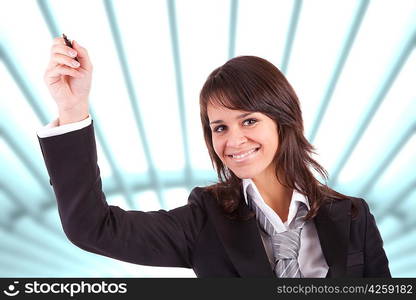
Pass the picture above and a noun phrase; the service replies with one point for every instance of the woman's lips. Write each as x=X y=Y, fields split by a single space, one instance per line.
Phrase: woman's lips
x=244 y=156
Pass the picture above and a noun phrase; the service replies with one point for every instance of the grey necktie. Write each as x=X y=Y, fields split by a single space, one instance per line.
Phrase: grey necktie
x=285 y=244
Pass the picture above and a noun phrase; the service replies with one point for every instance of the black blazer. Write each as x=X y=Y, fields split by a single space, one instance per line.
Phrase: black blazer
x=197 y=235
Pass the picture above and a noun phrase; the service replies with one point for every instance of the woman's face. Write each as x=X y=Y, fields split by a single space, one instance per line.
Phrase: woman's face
x=246 y=142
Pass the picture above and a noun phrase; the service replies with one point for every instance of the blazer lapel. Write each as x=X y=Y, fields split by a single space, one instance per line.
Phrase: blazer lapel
x=243 y=244
x=333 y=226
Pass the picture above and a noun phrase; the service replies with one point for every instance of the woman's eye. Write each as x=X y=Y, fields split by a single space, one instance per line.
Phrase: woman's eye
x=250 y=121
x=219 y=128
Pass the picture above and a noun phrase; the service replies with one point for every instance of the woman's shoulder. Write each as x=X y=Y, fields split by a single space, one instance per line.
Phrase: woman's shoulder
x=219 y=197
x=358 y=206
x=200 y=193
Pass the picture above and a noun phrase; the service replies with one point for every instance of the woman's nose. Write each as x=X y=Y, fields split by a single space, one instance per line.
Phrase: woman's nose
x=236 y=138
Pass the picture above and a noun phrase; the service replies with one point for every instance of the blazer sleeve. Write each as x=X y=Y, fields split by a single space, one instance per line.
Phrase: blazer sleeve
x=376 y=262
x=157 y=238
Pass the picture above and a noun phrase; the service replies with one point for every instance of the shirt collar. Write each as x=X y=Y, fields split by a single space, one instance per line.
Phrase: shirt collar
x=250 y=188
x=296 y=196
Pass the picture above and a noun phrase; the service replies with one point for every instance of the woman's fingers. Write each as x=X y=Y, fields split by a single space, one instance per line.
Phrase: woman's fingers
x=58 y=41
x=63 y=49
x=82 y=56
x=61 y=59
x=59 y=47
x=61 y=54
x=53 y=74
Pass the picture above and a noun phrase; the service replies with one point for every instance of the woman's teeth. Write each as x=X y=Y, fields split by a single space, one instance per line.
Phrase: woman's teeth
x=244 y=154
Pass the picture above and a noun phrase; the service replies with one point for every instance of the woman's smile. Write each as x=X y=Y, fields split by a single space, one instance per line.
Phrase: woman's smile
x=244 y=156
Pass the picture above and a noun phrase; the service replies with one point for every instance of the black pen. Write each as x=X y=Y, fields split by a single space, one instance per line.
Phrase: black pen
x=69 y=44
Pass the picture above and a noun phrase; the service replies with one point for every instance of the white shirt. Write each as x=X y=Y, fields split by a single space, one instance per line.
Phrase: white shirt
x=53 y=129
x=311 y=258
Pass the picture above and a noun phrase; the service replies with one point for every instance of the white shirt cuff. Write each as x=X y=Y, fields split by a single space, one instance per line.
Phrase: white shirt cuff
x=53 y=129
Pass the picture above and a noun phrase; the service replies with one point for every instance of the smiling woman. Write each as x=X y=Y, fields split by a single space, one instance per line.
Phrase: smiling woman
x=267 y=215
x=251 y=86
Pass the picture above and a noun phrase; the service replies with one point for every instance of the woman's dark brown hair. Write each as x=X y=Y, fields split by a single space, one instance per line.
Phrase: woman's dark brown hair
x=250 y=83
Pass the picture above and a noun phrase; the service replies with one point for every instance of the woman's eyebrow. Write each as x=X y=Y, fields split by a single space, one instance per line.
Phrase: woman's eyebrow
x=238 y=117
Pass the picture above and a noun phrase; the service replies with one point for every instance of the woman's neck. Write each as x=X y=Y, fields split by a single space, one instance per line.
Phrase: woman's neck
x=275 y=194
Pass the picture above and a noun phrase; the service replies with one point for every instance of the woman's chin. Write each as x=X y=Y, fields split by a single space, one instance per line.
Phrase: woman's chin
x=244 y=175
x=249 y=172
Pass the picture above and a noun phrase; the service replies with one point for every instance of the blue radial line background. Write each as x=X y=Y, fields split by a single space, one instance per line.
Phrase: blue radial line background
x=297 y=7
x=352 y=64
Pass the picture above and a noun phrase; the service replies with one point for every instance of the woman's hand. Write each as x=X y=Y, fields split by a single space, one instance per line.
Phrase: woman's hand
x=68 y=81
